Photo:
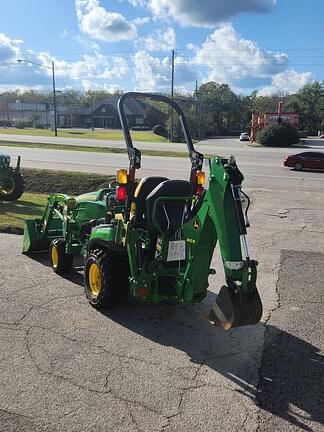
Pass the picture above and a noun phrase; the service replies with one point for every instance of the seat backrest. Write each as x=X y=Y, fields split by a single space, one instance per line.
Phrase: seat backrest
x=143 y=189
x=170 y=213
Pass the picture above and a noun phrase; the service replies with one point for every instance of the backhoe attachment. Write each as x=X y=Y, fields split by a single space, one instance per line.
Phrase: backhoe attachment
x=238 y=302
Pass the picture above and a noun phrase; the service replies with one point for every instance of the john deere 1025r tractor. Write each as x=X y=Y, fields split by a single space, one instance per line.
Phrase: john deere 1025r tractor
x=153 y=239
x=11 y=179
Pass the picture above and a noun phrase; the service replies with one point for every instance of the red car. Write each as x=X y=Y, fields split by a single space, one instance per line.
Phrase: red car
x=305 y=160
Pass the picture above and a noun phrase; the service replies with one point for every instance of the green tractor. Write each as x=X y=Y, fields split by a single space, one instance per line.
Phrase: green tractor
x=11 y=179
x=153 y=240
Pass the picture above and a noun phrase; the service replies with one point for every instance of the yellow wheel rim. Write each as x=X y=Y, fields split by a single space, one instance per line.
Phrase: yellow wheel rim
x=8 y=187
x=94 y=279
x=54 y=256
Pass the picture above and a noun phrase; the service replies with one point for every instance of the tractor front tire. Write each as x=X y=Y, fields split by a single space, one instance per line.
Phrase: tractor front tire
x=15 y=187
x=106 y=278
x=61 y=261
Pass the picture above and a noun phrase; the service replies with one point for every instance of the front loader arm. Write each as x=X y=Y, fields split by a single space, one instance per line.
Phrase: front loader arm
x=238 y=303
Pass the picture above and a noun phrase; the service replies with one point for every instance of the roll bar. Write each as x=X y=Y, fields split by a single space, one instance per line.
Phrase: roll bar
x=134 y=154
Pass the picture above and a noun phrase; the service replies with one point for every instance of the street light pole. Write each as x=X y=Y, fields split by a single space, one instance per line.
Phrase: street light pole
x=54 y=100
x=52 y=68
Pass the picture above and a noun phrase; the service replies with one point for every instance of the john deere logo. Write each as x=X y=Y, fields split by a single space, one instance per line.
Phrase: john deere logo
x=196 y=224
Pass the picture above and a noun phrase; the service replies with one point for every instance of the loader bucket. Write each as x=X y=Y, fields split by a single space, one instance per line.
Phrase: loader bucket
x=235 y=309
x=33 y=239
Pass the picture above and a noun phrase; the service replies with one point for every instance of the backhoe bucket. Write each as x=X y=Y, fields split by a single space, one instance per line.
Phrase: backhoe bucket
x=33 y=238
x=235 y=309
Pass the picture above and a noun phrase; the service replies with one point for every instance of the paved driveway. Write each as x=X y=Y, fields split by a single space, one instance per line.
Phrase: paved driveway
x=66 y=367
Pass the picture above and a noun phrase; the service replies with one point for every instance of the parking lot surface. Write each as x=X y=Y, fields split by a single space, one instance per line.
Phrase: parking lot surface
x=66 y=367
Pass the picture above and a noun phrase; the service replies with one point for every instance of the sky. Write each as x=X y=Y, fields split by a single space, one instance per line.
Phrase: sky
x=272 y=46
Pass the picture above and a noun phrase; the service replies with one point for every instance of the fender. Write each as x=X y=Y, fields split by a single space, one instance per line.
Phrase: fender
x=105 y=236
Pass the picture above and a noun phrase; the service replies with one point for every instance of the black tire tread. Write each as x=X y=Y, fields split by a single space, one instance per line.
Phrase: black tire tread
x=65 y=260
x=114 y=270
x=19 y=187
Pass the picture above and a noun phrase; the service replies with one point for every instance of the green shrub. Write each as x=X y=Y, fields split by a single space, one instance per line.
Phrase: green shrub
x=160 y=129
x=21 y=124
x=278 y=135
x=5 y=123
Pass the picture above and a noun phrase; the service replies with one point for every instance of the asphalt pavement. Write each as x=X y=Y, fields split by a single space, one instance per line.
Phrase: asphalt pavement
x=66 y=367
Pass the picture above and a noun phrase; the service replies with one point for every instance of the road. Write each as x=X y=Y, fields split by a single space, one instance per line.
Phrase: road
x=66 y=367
x=262 y=167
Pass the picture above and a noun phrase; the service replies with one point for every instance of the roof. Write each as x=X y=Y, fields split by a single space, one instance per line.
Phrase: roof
x=132 y=107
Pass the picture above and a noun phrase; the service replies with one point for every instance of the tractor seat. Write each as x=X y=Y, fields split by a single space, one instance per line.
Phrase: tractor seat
x=170 y=213
x=138 y=207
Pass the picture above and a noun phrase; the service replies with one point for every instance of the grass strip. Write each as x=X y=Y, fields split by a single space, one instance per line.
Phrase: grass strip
x=13 y=213
x=70 y=183
x=91 y=149
x=145 y=136
x=38 y=185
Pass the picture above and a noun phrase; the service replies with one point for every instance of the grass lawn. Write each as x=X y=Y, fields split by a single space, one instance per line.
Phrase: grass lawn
x=66 y=147
x=38 y=185
x=12 y=214
x=146 y=136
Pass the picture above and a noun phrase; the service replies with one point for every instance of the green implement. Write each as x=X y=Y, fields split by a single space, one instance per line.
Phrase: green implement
x=11 y=179
x=153 y=240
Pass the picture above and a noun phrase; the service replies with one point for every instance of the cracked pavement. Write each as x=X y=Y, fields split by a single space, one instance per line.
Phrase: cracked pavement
x=66 y=367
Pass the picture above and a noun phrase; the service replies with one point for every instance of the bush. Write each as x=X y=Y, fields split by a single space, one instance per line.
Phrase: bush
x=5 y=123
x=278 y=135
x=21 y=124
x=160 y=129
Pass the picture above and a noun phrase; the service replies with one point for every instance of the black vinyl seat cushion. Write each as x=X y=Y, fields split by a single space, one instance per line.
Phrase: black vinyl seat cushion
x=170 y=214
x=143 y=189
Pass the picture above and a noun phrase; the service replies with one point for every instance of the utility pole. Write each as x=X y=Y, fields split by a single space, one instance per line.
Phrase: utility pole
x=197 y=120
x=54 y=100
x=91 y=107
x=172 y=92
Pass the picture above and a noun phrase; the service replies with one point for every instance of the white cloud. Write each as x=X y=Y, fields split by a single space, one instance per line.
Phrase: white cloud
x=159 y=41
x=93 y=85
x=98 y=23
x=90 y=67
x=137 y=3
x=204 y=13
x=10 y=49
x=141 y=20
x=154 y=74
x=228 y=58
x=118 y=70
x=289 y=82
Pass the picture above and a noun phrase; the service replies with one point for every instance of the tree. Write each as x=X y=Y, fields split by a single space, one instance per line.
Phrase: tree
x=310 y=105
x=35 y=116
x=221 y=109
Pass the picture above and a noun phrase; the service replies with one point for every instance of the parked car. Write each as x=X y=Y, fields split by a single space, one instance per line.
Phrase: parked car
x=244 y=136
x=305 y=160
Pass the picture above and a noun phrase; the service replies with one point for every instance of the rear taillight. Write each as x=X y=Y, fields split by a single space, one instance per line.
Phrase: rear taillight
x=121 y=189
x=199 y=190
x=121 y=194
x=200 y=181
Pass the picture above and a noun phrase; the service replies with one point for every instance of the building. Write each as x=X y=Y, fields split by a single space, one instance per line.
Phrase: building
x=26 y=111
x=260 y=121
x=101 y=115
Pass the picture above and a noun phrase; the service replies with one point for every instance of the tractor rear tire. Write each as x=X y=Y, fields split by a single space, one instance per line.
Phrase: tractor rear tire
x=106 y=278
x=15 y=190
x=61 y=261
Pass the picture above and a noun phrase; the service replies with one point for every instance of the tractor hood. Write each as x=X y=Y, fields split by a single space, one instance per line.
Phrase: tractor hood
x=92 y=196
